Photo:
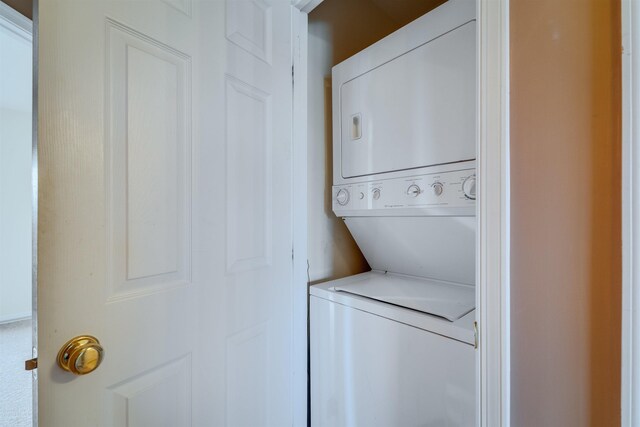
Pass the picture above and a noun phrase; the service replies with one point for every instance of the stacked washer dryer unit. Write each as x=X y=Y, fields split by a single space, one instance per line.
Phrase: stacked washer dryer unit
x=395 y=346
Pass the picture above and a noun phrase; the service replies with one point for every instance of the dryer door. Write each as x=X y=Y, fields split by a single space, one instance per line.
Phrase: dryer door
x=415 y=111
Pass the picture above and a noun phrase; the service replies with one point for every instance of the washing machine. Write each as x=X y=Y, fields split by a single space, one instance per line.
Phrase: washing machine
x=395 y=346
x=375 y=362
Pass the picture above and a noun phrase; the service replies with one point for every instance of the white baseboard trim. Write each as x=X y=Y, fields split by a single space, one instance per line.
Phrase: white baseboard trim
x=17 y=317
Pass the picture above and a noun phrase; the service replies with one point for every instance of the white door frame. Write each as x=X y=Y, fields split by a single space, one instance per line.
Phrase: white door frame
x=15 y=22
x=630 y=374
x=493 y=310
x=494 y=230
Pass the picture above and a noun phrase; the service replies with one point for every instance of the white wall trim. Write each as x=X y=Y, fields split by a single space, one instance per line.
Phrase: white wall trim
x=493 y=311
x=630 y=371
x=493 y=299
x=15 y=22
x=15 y=318
x=306 y=6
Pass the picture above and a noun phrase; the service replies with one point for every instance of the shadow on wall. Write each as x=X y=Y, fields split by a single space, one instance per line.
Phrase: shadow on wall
x=347 y=258
x=353 y=25
x=605 y=299
x=338 y=29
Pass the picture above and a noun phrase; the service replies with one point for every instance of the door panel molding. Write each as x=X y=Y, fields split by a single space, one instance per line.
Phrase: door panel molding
x=169 y=383
x=247 y=392
x=249 y=177
x=241 y=19
x=183 y=6
x=147 y=164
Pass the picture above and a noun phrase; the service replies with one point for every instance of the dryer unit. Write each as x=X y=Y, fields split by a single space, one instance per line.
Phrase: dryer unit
x=408 y=102
x=395 y=346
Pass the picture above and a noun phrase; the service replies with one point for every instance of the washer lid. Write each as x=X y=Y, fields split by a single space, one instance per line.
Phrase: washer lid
x=444 y=299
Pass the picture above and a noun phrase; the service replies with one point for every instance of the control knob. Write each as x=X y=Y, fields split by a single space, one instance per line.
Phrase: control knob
x=437 y=188
x=469 y=187
x=413 y=190
x=342 y=197
x=375 y=193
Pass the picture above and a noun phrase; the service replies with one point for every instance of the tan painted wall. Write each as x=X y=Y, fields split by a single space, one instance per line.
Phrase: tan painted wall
x=566 y=254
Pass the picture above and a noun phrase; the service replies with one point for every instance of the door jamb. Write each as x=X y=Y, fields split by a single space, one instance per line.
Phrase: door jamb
x=630 y=369
x=493 y=311
x=493 y=243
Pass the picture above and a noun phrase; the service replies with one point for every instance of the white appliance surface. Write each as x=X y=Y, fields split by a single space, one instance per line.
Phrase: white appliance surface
x=395 y=346
x=444 y=193
x=441 y=248
x=368 y=370
x=409 y=101
x=448 y=300
x=460 y=329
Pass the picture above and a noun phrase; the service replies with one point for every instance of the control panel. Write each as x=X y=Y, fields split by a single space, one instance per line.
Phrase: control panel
x=443 y=193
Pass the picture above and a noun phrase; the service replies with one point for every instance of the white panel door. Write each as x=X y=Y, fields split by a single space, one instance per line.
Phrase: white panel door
x=165 y=211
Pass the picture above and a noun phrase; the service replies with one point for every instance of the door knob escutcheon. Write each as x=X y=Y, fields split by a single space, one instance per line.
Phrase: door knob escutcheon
x=81 y=355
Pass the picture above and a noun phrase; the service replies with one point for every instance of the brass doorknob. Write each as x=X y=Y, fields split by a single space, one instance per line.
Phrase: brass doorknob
x=81 y=355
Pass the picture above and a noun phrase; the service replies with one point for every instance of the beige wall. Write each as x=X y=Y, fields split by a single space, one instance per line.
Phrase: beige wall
x=566 y=255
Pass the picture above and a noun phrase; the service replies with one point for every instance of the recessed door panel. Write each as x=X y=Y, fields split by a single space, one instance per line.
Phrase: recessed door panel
x=159 y=397
x=148 y=162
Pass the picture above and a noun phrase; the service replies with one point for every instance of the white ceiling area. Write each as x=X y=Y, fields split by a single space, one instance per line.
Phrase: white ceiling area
x=15 y=71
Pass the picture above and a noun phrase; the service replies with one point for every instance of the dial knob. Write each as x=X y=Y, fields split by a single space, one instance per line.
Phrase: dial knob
x=413 y=190
x=437 y=188
x=342 y=197
x=469 y=187
x=376 y=193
